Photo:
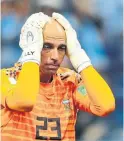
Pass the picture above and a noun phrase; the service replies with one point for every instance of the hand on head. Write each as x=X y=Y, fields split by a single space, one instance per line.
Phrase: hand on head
x=45 y=40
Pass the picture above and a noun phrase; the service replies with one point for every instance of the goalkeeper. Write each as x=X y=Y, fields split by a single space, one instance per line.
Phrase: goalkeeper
x=40 y=99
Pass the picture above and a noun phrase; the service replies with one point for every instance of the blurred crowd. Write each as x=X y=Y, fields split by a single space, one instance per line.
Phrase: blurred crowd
x=98 y=24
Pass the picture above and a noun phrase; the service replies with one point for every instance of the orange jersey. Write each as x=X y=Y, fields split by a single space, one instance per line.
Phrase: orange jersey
x=54 y=114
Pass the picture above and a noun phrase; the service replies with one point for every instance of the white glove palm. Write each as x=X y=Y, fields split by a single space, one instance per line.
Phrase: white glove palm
x=31 y=38
x=77 y=55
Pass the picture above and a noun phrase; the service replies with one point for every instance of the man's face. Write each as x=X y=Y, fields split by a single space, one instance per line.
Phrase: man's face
x=54 y=47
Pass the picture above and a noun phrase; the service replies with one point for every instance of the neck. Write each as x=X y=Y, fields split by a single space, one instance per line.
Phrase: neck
x=45 y=78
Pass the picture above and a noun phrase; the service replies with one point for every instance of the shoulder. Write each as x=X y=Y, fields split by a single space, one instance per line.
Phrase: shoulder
x=69 y=75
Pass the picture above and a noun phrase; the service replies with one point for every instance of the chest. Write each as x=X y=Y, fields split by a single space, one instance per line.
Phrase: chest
x=57 y=102
x=54 y=113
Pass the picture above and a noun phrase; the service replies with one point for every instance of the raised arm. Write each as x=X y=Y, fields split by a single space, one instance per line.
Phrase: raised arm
x=22 y=96
x=99 y=99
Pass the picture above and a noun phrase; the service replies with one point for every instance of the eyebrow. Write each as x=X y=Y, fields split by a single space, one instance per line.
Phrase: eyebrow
x=53 y=44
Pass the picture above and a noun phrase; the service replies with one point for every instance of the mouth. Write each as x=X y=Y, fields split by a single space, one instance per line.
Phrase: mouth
x=52 y=67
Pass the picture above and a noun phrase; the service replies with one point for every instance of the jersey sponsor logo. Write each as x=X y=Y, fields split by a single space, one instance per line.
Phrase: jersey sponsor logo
x=82 y=90
x=30 y=36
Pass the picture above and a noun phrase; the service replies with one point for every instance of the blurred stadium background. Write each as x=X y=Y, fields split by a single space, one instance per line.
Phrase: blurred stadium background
x=99 y=28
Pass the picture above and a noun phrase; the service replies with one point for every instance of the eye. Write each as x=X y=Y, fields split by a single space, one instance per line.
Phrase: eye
x=47 y=46
x=62 y=48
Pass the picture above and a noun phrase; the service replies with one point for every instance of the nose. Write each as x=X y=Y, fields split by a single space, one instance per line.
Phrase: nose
x=54 y=55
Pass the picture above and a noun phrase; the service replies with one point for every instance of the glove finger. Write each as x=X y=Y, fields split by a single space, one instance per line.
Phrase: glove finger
x=37 y=20
x=44 y=20
x=35 y=17
x=62 y=20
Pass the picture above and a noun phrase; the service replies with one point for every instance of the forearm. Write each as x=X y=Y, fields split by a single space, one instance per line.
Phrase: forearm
x=23 y=97
x=100 y=95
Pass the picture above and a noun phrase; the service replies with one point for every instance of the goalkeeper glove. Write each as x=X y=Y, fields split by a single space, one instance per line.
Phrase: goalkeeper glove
x=77 y=55
x=31 y=38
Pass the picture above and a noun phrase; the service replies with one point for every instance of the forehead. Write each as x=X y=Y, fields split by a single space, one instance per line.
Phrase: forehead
x=53 y=31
